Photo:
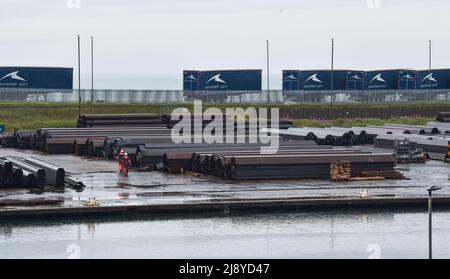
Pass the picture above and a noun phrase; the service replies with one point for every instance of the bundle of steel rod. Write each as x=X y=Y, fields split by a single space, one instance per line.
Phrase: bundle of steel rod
x=109 y=120
x=29 y=172
x=303 y=166
x=436 y=147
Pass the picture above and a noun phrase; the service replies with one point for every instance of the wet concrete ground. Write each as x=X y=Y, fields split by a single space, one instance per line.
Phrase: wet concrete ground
x=152 y=188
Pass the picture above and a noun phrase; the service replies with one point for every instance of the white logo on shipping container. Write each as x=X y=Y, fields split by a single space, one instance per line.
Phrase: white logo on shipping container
x=429 y=78
x=314 y=78
x=216 y=78
x=355 y=77
x=191 y=77
x=378 y=78
x=291 y=77
x=408 y=76
x=13 y=75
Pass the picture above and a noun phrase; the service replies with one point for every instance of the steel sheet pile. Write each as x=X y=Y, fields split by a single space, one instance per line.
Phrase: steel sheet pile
x=29 y=173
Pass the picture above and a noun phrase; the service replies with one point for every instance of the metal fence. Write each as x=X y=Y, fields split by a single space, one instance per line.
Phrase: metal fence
x=272 y=96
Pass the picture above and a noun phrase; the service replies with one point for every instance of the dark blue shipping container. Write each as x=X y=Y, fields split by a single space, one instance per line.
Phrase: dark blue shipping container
x=407 y=80
x=36 y=78
x=191 y=80
x=437 y=79
x=316 y=80
x=355 y=80
x=390 y=80
x=291 y=80
x=224 y=80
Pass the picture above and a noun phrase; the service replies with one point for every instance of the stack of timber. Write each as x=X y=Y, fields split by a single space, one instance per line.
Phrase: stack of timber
x=341 y=171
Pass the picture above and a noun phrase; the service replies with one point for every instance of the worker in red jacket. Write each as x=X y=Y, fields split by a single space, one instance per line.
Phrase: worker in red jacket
x=119 y=158
x=126 y=164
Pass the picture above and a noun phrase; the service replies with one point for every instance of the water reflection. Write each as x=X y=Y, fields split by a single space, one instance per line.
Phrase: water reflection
x=326 y=234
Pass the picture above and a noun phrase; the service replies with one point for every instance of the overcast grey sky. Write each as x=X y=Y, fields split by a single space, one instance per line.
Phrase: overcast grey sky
x=147 y=44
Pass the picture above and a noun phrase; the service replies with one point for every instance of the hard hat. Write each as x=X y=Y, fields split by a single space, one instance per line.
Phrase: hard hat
x=126 y=154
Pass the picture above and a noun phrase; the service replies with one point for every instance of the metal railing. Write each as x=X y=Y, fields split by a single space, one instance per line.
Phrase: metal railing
x=272 y=96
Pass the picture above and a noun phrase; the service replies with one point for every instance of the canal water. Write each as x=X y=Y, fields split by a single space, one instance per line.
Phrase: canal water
x=327 y=234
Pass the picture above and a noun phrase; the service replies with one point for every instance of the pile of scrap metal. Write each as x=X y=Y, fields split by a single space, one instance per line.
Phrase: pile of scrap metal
x=30 y=172
x=112 y=120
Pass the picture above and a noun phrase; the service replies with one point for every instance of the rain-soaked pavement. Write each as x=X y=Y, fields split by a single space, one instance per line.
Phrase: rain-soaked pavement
x=150 y=188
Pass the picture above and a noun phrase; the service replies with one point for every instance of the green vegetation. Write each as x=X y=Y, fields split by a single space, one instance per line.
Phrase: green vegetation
x=38 y=115
x=360 y=122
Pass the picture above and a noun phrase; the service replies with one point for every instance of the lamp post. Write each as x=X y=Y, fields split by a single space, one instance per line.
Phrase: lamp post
x=92 y=71
x=429 y=67
x=430 y=219
x=268 y=73
x=332 y=70
x=79 y=78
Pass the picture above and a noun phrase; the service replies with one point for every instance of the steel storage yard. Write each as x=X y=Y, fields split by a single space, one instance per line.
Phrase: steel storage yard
x=436 y=79
x=222 y=80
x=401 y=79
x=36 y=78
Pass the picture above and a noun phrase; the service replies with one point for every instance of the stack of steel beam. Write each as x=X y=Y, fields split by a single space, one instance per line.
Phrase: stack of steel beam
x=39 y=172
x=153 y=154
x=443 y=117
x=443 y=127
x=167 y=119
x=110 y=120
x=300 y=166
x=29 y=172
x=54 y=175
x=24 y=138
x=211 y=163
x=326 y=136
